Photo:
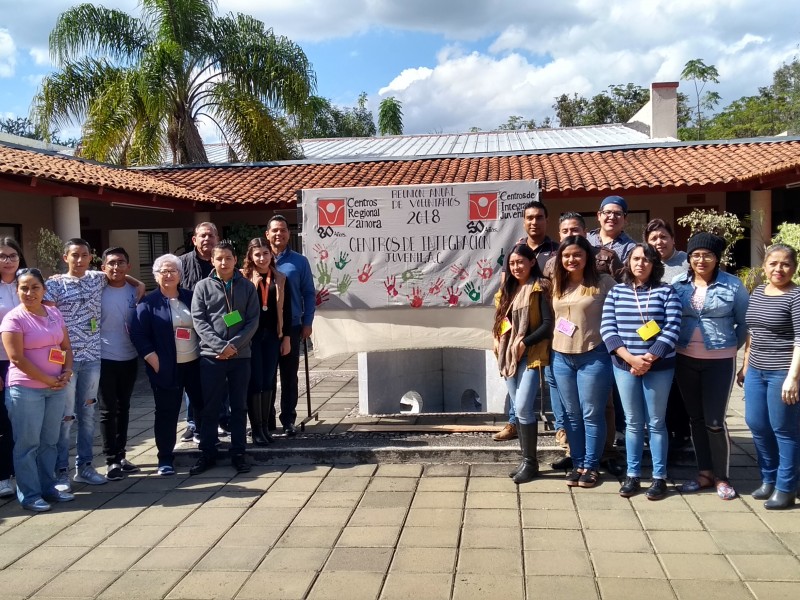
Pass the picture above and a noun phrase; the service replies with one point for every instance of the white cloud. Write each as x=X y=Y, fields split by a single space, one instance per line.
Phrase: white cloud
x=40 y=56
x=8 y=54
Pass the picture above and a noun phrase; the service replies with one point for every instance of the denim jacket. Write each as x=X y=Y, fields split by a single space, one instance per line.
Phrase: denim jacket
x=722 y=320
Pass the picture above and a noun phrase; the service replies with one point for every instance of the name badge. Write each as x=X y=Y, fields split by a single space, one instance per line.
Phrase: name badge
x=183 y=333
x=505 y=326
x=648 y=330
x=57 y=356
x=232 y=318
x=93 y=325
x=565 y=326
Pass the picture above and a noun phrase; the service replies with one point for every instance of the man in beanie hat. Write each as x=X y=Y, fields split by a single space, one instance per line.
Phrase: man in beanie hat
x=612 y=218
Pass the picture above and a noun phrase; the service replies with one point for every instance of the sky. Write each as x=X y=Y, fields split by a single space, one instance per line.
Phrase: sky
x=457 y=64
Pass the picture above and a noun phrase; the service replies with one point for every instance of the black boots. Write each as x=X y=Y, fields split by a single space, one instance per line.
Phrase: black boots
x=780 y=500
x=528 y=437
x=254 y=412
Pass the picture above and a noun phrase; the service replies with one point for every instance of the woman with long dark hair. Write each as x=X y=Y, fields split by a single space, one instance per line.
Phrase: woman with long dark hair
x=11 y=259
x=272 y=338
x=581 y=365
x=523 y=326
x=641 y=321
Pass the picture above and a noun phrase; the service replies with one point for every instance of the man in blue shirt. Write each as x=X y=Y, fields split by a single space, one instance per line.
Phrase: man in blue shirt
x=303 y=295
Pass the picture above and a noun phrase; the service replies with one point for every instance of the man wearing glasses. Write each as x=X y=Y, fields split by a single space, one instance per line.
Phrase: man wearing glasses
x=612 y=218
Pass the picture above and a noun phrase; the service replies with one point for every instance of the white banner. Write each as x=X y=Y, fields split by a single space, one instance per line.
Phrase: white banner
x=412 y=246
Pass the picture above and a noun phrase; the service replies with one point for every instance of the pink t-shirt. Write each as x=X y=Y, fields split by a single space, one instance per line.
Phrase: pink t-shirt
x=39 y=335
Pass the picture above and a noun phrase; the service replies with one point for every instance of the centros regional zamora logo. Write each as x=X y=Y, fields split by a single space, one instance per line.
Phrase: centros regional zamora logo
x=483 y=206
x=331 y=212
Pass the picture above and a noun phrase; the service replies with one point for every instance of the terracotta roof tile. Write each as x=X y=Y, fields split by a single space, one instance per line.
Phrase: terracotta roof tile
x=65 y=169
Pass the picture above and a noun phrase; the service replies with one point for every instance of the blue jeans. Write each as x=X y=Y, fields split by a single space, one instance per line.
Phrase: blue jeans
x=644 y=399
x=556 y=405
x=522 y=389
x=219 y=378
x=81 y=399
x=775 y=427
x=36 y=415
x=584 y=382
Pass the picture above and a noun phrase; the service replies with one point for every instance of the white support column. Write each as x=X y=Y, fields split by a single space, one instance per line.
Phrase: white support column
x=67 y=217
x=761 y=221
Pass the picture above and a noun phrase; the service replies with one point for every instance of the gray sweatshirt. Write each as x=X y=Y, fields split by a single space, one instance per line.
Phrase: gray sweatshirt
x=210 y=304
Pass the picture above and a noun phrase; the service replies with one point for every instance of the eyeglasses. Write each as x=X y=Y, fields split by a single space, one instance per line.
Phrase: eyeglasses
x=6 y=258
x=27 y=271
x=702 y=257
x=117 y=263
x=612 y=214
x=169 y=272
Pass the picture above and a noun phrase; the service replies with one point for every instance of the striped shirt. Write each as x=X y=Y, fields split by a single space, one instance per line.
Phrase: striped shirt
x=774 y=324
x=623 y=315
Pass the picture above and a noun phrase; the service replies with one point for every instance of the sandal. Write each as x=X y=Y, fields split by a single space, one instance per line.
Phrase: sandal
x=573 y=477
x=588 y=479
x=701 y=482
x=725 y=490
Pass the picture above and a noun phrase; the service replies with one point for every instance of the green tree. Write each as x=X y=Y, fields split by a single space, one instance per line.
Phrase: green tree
x=617 y=104
x=701 y=75
x=516 y=122
x=24 y=127
x=323 y=119
x=139 y=85
x=726 y=225
x=390 y=116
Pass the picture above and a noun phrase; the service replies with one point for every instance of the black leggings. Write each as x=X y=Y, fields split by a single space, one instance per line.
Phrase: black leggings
x=706 y=388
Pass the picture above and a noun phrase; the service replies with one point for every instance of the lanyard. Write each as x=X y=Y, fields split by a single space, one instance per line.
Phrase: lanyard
x=265 y=289
x=225 y=292
x=639 y=306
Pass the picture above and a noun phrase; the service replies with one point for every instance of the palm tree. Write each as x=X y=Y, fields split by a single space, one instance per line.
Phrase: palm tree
x=139 y=85
x=390 y=116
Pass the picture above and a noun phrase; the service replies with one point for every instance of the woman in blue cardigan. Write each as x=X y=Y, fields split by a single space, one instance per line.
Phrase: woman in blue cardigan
x=164 y=336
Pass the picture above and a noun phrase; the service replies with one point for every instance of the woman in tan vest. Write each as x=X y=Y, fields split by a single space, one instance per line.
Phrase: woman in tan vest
x=523 y=326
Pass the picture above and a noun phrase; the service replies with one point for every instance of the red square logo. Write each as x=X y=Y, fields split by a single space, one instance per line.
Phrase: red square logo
x=483 y=206
x=330 y=212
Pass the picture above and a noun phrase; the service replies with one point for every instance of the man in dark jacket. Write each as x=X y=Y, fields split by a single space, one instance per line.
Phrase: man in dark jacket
x=225 y=313
x=196 y=265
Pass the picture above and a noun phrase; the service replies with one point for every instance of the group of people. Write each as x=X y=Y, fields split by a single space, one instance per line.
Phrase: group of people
x=605 y=316
x=209 y=332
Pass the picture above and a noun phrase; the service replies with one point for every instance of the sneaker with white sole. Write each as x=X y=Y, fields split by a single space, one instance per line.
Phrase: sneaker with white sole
x=62 y=481
x=6 y=489
x=87 y=474
x=128 y=467
x=59 y=497
x=38 y=505
x=114 y=472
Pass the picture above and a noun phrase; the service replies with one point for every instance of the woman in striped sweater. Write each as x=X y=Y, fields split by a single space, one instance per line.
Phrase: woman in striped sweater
x=770 y=374
x=640 y=326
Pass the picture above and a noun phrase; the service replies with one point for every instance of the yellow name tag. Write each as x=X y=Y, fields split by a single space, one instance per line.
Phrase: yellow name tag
x=505 y=326
x=648 y=330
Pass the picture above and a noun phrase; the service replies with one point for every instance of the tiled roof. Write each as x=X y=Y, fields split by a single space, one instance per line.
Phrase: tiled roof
x=58 y=168
x=688 y=167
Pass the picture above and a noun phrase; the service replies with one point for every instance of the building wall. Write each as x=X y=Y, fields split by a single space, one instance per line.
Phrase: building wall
x=29 y=213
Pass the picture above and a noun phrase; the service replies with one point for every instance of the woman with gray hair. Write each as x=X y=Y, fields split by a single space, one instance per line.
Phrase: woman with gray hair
x=164 y=336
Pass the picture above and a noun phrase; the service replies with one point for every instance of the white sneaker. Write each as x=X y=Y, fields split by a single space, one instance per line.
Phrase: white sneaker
x=6 y=489
x=87 y=474
x=62 y=481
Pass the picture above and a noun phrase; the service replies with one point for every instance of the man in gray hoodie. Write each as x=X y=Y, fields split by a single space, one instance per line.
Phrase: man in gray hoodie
x=225 y=315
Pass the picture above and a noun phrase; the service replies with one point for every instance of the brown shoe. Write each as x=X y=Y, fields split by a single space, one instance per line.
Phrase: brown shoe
x=509 y=432
x=561 y=438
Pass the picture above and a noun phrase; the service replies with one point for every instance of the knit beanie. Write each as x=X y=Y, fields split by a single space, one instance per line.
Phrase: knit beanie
x=706 y=241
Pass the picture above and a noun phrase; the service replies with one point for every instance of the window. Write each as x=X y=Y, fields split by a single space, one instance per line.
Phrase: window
x=152 y=244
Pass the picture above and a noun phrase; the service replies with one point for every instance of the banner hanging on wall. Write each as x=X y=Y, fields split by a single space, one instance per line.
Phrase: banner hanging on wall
x=412 y=246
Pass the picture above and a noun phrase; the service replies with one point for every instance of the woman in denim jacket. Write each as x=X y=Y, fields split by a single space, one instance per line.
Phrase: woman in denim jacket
x=712 y=330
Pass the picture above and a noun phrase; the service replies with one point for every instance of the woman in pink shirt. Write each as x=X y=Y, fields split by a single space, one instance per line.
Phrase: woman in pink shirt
x=36 y=341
